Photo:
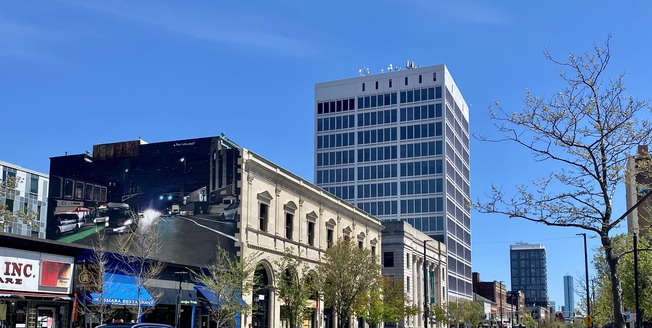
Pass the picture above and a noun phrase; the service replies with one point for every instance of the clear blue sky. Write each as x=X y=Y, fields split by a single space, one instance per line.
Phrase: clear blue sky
x=78 y=73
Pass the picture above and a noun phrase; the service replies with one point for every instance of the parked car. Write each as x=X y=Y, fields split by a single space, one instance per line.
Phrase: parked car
x=230 y=213
x=134 y=325
x=67 y=222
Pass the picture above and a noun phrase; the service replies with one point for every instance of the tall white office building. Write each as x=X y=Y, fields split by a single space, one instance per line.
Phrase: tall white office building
x=29 y=194
x=396 y=144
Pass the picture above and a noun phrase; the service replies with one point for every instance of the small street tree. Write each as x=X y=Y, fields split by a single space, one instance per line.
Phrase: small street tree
x=589 y=129
x=473 y=312
x=346 y=274
x=92 y=279
x=454 y=313
x=295 y=286
x=9 y=215
x=228 y=278
x=137 y=253
x=386 y=302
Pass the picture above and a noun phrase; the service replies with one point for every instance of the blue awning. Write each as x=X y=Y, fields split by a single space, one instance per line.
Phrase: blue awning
x=121 y=290
x=210 y=296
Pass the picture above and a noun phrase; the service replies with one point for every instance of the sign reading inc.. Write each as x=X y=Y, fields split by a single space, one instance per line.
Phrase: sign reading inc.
x=33 y=271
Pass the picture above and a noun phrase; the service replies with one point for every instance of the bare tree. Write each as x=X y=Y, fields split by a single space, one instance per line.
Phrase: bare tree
x=9 y=217
x=589 y=130
x=92 y=278
x=228 y=278
x=137 y=251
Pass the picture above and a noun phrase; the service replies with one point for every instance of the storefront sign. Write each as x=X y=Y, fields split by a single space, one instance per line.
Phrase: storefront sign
x=32 y=271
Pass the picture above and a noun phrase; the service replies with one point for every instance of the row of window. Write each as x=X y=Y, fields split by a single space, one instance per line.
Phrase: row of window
x=418 y=168
x=336 y=175
x=76 y=190
x=421 y=112
x=372 y=101
x=379 y=208
x=377 y=117
x=380 y=117
x=419 y=187
x=372 y=190
x=376 y=154
x=422 y=205
x=379 y=135
x=390 y=84
x=523 y=280
x=336 y=122
x=373 y=172
x=422 y=94
x=336 y=140
x=421 y=131
x=344 y=192
x=431 y=148
x=432 y=223
x=460 y=286
x=528 y=254
x=459 y=267
x=335 y=106
x=456 y=229
x=336 y=158
x=462 y=251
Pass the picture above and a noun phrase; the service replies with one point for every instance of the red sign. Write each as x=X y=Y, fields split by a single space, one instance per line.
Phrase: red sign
x=55 y=274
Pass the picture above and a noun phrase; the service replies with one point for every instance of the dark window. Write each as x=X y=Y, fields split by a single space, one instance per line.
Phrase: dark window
x=289 y=218
x=33 y=188
x=363 y=87
x=388 y=259
x=311 y=233
x=329 y=238
x=406 y=80
x=420 y=80
x=262 y=214
x=360 y=244
x=390 y=83
x=434 y=76
x=376 y=85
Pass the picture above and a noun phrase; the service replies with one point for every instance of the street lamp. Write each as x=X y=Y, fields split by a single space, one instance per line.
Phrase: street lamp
x=183 y=160
x=124 y=181
x=177 y=319
x=586 y=270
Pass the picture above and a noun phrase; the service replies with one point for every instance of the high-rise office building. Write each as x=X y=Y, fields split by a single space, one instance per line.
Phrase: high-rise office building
x=396 y=145
x=529 y=273
x=636 y=187
x=30 y=194
x=569 y=296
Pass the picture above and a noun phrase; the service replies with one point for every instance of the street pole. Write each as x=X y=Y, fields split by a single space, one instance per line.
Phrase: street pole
x=426 y=310
x=586 y=270
x=500 y=294
x=177 y=319
x=636 y=296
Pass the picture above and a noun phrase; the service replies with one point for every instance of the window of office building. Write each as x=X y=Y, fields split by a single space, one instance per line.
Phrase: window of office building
x=388 y=259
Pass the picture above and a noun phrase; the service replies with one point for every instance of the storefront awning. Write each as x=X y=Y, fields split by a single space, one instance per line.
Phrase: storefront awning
x=119 y=289
x=168 y=296
x=210 y=296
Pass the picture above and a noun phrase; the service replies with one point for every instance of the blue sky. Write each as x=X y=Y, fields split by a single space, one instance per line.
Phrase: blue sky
x=78 y=73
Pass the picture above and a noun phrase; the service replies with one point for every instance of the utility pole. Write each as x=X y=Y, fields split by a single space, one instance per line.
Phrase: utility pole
x=636 y=295
x=586 y=270
x=500 y=294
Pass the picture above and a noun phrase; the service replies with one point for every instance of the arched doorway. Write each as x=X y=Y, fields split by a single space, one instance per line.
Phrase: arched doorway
x=261 y=298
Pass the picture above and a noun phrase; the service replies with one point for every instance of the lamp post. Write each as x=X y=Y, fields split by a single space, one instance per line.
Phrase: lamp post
x=636 y=295
x=426 y=310
x=177 y=318
x=586 y=271
x=183 y=160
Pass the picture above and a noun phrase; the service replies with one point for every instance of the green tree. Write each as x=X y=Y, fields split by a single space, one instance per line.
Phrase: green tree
x=439 y=313
x=473 y=312
x=346 y=274
x=229 y=279
x=295 y=286
x=528 y=321
x=386 y=302
x=9 y=216
x=623 y=246
x=588 y=131
x=455 y=313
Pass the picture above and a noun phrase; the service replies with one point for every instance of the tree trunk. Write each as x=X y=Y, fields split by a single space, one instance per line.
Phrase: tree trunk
x=343 y=320
x=616 y=288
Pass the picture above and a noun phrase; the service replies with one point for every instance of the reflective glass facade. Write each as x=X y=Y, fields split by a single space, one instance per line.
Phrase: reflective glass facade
x=397 y=146
x=529 y=273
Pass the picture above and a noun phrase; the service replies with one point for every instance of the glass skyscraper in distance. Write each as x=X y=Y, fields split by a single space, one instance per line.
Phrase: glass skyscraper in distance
x=529 y=275
x=396 y=145
x=569 y=297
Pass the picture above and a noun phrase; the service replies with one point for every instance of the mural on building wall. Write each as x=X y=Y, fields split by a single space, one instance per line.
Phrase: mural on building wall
x=187 y=188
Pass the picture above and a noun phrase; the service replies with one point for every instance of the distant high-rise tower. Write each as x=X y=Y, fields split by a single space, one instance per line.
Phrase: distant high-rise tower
x=396 y=145
x=637 y=186
x=529 y=273
x=569 y=296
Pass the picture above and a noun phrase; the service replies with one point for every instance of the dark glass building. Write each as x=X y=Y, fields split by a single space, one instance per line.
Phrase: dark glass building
x=529 y=273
